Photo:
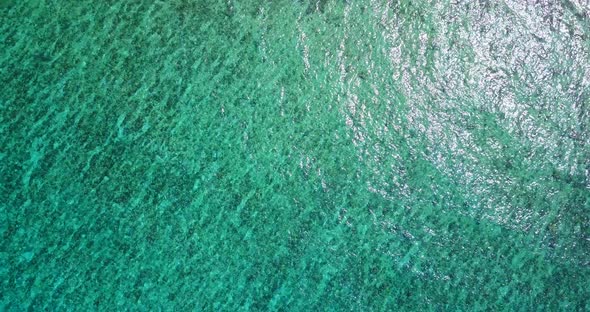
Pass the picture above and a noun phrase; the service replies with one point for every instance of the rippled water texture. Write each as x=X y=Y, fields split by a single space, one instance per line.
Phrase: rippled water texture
x=294 y=155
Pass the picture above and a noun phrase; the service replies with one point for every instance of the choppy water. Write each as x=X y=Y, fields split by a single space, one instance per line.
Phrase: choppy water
x=294 y=155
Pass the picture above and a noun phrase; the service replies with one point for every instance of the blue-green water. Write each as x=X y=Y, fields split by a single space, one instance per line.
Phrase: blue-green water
x=294 y=155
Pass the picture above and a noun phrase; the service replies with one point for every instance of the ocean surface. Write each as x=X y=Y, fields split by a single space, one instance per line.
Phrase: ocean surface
x=294 y=155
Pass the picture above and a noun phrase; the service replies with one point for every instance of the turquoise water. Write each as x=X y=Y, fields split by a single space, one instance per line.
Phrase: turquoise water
x=294 y=155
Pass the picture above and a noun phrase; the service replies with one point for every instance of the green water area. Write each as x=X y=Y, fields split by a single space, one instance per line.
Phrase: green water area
x=294 y=155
